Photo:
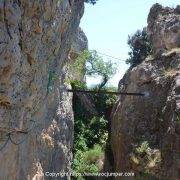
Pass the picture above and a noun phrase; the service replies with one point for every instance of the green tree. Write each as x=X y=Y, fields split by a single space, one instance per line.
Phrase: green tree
x=95 y=66
x=87 y=161
x=89 y=63
x=77 y=67
x=91 y=130
x=91 y=1
x=140 y=46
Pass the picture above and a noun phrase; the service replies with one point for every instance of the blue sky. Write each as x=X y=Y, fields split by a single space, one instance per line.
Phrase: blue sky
x=108 y=24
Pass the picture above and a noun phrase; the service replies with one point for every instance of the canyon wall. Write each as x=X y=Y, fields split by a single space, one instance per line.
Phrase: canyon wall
x=36 y=118
x=145 y=131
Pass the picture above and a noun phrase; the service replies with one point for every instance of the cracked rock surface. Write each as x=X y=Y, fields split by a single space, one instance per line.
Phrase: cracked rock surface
x=35 y=40
x=145 y=131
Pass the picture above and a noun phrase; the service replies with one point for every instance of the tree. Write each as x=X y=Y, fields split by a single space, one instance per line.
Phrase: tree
x=91 y=1
x=95 y=66
x=91 y=129
x=140 y=46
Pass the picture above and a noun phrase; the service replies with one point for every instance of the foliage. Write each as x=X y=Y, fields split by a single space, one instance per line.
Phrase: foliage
x=140 y=46
x=86 y=161
x=75 y=84
x=95 y=66
x=143 y=147
x=96 y=130
x=88 y=128
x=80 y=141
x=89 y=63
x=92 y=128
x=146 y=159
x=104 y=102
x=178 y=119
x=78 y=66
x=91 y=1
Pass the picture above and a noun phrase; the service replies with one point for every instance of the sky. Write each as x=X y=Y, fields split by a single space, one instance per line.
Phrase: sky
x=107 y=25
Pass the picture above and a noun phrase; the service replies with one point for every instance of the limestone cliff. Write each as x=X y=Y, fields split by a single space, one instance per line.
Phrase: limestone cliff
x=145 y=132
x=35 y=41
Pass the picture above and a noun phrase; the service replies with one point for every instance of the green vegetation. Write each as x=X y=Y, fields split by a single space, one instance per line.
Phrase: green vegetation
x=90 y=133
x=95 y=66
x=91 y=1
x=140 y=46
x=143 y=147
x=78 y=66
x=87 y=161
x=178 y=119
x=91 y=130
x=146 y=159
x=89 y=63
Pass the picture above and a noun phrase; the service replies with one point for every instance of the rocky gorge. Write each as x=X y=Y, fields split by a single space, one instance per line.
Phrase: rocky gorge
x=38 y=40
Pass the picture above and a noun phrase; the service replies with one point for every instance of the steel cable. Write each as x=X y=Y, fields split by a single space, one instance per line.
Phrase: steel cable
x=24 y=139
x=9 y=136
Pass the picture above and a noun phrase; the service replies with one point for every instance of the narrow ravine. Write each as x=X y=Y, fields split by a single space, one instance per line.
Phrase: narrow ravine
x=54 y=125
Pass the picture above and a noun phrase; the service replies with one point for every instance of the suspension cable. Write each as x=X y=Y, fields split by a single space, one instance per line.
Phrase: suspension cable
x=10 y=133
x=105 y=92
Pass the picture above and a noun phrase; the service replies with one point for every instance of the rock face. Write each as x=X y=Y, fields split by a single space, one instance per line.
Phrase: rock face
x=79 y=44
x=145 y=132
x=36 y=117
x=164 y=27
